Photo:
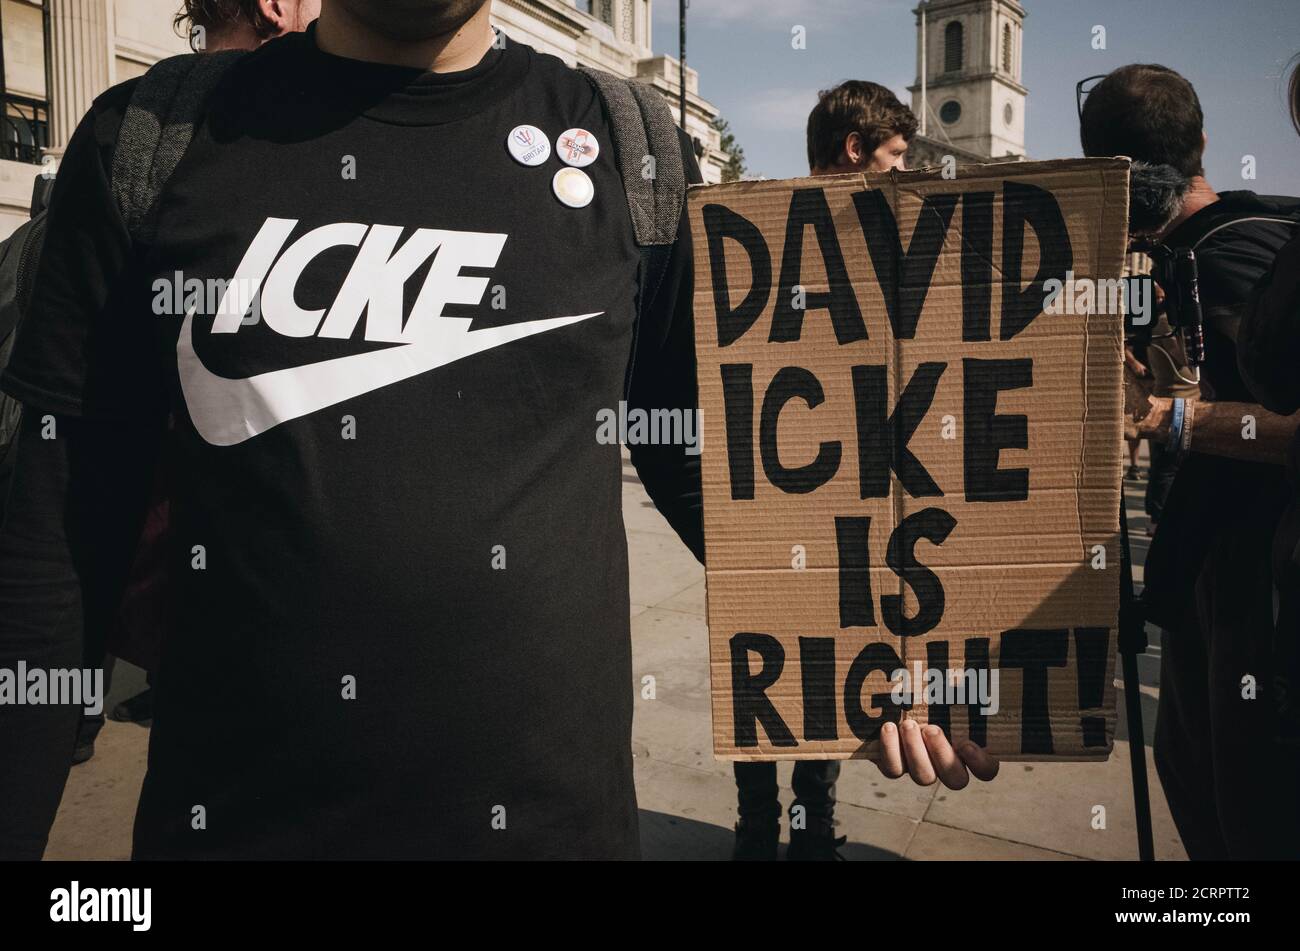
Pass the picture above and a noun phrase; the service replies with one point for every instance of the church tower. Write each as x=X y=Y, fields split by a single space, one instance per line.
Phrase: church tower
x=969 y=78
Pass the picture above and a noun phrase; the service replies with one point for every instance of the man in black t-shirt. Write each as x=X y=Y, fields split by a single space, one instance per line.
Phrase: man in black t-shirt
x=387 y=292
x=1232 y=788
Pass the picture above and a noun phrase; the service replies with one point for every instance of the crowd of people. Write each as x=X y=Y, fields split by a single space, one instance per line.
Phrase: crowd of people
x=293 y=559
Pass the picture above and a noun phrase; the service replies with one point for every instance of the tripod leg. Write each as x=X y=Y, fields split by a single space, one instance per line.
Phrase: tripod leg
x=1132 y=642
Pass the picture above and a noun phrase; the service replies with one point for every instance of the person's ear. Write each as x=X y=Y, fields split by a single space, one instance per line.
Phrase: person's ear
x=277 y=12
x=853 y=149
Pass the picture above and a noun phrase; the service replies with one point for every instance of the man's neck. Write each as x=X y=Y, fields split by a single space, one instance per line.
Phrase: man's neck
x=1197 y=197
x=340 y=34
x=233 y=36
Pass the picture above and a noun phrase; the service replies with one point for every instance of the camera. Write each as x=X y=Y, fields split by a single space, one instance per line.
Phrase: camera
x=1174 y=271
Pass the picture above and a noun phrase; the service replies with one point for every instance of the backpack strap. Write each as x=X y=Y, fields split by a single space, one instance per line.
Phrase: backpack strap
x=165 y=109
x=1289 y=220
x=1230 y=314
x=642 y=125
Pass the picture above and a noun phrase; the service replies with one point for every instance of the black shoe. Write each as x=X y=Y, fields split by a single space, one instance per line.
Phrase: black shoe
x=82 y=752
x=819 y=845
x=756 y=842
x=1134 y=474
x=87 y=731
x=137 y=709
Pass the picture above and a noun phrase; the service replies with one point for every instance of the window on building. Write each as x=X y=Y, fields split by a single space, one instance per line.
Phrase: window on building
x=952 y=41
x=602 y=10
x=24 y=47
x=1006 y=47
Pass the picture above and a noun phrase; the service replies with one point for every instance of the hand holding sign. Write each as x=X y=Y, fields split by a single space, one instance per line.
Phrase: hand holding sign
x=926 y=755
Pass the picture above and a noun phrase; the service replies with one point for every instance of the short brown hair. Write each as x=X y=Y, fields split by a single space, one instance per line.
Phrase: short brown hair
x=866 y=108
x=218 y=14
x=1147 y=112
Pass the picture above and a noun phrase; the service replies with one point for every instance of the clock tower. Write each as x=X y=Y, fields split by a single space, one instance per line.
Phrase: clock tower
x=969 y=79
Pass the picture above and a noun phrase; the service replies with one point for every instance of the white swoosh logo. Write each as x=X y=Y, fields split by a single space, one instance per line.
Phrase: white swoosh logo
x=228 y=411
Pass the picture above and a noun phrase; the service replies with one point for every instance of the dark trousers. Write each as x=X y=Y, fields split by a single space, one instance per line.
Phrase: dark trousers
x=813 y=784
x=1232 y=782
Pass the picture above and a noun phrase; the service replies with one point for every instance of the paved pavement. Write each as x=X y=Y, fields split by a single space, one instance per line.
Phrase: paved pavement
x=687 y=799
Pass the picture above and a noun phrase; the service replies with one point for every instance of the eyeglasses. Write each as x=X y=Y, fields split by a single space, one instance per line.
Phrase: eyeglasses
x=1083 y=87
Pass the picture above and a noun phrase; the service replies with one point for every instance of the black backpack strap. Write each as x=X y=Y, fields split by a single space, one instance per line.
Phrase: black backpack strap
x=1231 y=313
x=1290 y=220
x=642 y=125
x=165 y=109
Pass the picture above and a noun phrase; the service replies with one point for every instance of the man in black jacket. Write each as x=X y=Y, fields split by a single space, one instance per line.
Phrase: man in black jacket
x=1232 y=788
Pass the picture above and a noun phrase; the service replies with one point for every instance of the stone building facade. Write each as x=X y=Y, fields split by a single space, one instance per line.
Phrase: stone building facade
x=615 y=35
x=57 y=56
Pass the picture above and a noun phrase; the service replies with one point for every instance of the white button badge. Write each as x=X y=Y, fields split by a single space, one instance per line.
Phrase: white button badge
x=528 y=145
x=573 y=187
x=577 y=147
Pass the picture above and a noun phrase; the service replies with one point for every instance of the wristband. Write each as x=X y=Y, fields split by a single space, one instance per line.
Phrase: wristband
x=1189 y=410
x=1175 y=440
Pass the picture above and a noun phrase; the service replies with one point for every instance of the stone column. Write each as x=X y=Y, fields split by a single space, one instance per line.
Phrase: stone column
x=78 y=64
x=623 y=14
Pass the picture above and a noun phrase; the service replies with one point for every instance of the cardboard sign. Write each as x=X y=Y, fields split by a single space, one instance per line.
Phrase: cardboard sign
x=911 y=471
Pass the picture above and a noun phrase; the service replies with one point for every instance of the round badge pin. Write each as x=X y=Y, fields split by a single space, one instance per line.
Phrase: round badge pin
x=528 y=145
x=573 y=187
x=577 y=147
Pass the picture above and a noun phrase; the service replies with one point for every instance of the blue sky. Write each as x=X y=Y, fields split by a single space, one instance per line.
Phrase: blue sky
x=1234 y=51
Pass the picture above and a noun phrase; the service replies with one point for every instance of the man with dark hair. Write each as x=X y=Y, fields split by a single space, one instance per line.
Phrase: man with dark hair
x=214 y=25
x=858 y=126
x=1231 y=786
x=398 y=537
x=1147 y=112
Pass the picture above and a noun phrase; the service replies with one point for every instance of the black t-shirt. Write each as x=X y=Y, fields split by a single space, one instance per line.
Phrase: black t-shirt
x=1215 y=498
x=402 y=626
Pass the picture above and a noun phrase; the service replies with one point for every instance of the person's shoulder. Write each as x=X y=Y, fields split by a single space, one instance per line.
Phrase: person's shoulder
x=116 y=98
x=108 y=109
x=1236 y=240
x=1240 y=216
x=1240 y=224
x=571 y=91
x=1285 y=205
x=248 y=70
x=578 y=94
